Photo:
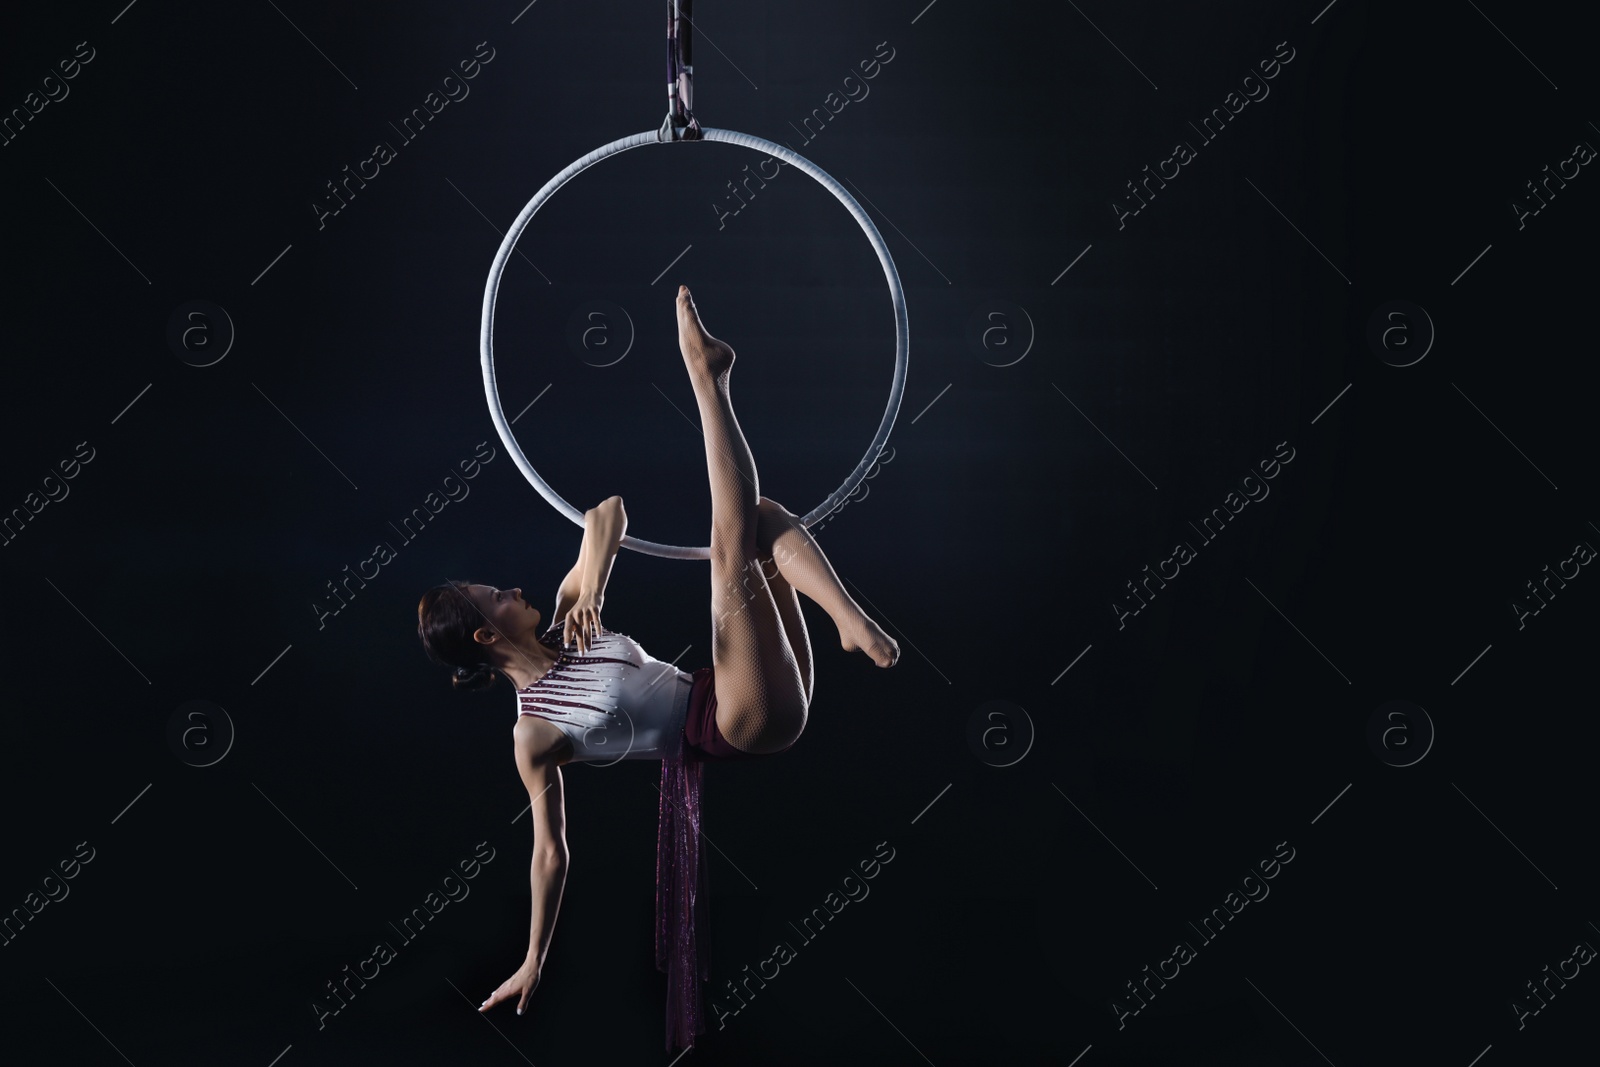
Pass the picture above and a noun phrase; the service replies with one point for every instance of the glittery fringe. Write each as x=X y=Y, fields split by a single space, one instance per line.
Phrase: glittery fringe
x=681 y=899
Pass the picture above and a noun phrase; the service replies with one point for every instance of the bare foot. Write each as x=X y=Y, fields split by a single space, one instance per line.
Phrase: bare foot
x=869 y=637
x=702 y=352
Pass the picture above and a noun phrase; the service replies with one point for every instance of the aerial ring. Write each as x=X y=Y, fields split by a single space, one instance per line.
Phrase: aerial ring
x=897 y=297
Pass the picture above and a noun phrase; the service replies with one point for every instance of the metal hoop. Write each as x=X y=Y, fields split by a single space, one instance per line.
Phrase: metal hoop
x=902 y=337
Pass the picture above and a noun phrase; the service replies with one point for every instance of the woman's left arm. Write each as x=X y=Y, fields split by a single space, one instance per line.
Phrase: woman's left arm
x=605 y=524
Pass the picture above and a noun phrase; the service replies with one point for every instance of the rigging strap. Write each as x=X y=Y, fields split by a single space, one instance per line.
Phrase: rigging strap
x=680 y=123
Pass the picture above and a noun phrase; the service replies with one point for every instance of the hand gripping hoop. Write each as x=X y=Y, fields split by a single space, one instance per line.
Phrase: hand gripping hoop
x=902 y=342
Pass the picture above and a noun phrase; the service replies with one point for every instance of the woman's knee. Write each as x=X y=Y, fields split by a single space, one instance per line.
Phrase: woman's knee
x=763 y=726
x=772 y=519
x=770 y=510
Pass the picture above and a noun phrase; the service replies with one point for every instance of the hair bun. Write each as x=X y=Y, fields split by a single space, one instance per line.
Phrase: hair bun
x=477 y=676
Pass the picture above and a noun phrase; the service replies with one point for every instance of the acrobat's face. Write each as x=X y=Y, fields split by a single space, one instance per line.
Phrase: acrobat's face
x=507 y=616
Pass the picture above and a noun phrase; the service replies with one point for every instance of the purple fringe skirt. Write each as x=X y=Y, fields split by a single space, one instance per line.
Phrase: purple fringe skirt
x=681 y=900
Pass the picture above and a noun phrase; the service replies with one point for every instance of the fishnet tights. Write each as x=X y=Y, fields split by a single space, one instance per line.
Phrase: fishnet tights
x=761 y=558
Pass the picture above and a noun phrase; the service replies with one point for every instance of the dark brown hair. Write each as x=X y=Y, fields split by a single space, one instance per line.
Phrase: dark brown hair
x=446 y=620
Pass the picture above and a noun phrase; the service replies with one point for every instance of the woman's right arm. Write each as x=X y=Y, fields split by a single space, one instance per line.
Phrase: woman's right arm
x=541 y=773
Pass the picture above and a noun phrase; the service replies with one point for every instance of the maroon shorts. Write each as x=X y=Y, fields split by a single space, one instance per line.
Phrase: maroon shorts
x=700 y=733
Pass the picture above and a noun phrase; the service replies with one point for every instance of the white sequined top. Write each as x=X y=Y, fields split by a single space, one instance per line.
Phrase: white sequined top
x=615 y=702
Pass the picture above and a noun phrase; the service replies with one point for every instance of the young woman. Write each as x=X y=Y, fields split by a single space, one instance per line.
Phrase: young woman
x=586 y=693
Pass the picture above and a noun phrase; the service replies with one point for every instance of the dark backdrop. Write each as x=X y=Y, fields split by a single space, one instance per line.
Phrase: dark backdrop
x=1086 y=385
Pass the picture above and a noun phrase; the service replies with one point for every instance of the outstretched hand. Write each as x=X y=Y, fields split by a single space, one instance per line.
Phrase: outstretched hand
x=520 y=985
x=583 y=621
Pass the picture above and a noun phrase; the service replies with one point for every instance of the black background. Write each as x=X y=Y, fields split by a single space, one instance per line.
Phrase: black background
x=1175 y=354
